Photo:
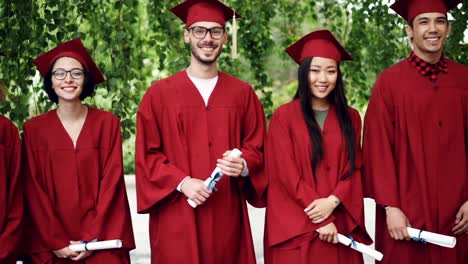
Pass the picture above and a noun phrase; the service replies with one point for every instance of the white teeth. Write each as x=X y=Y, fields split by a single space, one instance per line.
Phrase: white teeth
x=68 y=88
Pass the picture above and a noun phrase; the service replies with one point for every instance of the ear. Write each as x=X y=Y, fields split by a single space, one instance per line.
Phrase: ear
x=225 y=38
x=409 y=32
x=449 y=28
x=186 y=36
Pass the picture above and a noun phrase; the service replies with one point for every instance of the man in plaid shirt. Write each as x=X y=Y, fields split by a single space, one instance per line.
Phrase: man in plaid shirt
x=416 y=143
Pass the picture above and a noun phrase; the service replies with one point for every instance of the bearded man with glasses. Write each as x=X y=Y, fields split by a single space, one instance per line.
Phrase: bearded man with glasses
x=186 y=126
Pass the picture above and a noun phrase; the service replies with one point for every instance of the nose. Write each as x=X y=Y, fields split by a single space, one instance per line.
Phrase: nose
x=432 y=26
x=322 y=77
x=68 y=77
x=208 y=36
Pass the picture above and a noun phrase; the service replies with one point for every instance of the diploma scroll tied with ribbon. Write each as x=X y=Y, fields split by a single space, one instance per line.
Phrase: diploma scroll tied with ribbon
x=364 y=249
x=422 y=236
x=100 y=245
x=216 y=175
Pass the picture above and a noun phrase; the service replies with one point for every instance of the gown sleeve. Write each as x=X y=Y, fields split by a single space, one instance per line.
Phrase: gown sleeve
x=253 y=137
x=350 y=192
x=113 y=220
x=48 y=226
x=11 y=231
x=156 y=177
x=380 y=179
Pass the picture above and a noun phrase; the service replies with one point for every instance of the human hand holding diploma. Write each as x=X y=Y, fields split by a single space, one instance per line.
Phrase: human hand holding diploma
x=215 y=176
x=433 y=238
x=364 y=249
x=99 y=245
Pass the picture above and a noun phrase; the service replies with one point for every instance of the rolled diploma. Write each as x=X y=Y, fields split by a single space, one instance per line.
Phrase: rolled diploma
x=433 y=238
x=100 y=245
x=235 y=153
x=364 y=249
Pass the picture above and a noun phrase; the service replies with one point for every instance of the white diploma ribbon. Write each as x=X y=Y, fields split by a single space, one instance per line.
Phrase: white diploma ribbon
x=216 y=175
x=433 y=238
x=100 y=245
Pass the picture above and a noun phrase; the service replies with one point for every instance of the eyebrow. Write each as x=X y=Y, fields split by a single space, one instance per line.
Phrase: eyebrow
x=436 y=18
x=319 y=66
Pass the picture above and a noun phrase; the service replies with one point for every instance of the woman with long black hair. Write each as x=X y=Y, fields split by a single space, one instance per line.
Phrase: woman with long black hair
x=313 y=162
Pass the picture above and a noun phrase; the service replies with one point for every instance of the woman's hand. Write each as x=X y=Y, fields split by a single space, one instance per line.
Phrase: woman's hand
x=329 y=233
x=319 y=210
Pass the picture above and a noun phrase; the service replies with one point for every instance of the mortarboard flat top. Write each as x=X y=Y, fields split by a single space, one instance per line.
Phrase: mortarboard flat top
x=409 y=9
x=73 y=49
x=320 y=43
x=191 y=11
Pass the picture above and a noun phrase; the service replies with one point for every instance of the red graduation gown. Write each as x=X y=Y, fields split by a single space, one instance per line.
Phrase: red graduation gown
x=177 y=135
x=290 y=236
x=76 y=193
x=11 y=195
x=416 y=156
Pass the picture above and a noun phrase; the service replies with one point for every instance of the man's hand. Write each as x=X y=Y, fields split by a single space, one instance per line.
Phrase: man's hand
x=65 y=252
x=397 y=222
x=230 y=166
x=329 y=233
x=461 y=220
x=319 y=210
x=81 y=255
x=195 y=190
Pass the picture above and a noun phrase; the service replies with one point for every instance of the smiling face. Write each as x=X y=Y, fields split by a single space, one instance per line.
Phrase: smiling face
x=429 y=33
x=68 y=89
x=206 y=50
x=322 y=79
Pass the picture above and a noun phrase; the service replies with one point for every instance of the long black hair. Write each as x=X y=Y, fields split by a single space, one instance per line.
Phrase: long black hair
x=336 y=97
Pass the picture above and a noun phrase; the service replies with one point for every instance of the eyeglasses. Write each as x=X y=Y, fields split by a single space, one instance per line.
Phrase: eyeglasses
x=61 y=74
x=200 y=32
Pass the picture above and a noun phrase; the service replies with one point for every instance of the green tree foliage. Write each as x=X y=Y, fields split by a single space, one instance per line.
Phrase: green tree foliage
x=136 y=42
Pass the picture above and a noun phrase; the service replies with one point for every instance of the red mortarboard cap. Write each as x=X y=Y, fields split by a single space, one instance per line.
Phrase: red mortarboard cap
x=320 y=43
x=192 y=11
x=73 y=49
x=409 y=9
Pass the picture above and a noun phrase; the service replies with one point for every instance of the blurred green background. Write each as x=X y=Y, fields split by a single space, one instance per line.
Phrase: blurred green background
x=136 y=42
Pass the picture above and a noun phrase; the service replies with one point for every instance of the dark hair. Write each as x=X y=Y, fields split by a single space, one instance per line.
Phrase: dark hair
x=88 y=86
x=336 y=97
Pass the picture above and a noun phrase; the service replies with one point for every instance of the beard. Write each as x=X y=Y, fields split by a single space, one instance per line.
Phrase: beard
x=197 y=52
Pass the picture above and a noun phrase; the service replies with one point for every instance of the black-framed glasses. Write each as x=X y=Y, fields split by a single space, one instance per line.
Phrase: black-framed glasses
x=75 y=73
x=200 y=32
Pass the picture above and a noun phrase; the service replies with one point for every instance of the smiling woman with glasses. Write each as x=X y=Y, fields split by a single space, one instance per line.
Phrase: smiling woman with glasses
x=200 y=32
x=74 y=169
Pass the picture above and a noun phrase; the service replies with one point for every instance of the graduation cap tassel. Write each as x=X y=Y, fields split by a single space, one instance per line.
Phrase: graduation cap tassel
x=234 y=36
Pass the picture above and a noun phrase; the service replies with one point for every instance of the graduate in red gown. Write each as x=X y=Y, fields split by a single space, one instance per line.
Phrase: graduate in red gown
x=11 y=192
x=186 y=126
x=416 y=143
x=74 y=169
x=313 y=163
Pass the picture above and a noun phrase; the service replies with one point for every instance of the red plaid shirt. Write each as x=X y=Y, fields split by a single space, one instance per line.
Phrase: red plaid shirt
x=428 y=70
